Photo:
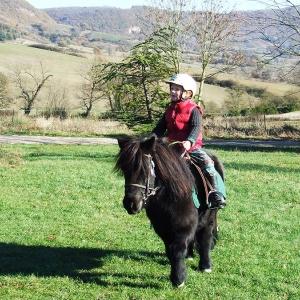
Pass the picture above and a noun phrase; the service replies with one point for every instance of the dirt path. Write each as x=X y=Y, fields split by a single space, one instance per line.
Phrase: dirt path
x=25 y=139
x=239 y=144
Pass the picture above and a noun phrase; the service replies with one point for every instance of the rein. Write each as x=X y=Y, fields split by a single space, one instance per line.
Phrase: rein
x=148 y=190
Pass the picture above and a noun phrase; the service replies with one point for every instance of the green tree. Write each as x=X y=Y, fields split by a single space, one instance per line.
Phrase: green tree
x=2 y=36
x=137 y=78
x=234 y=102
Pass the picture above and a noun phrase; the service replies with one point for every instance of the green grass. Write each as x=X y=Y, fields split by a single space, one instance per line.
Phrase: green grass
x=65 y=235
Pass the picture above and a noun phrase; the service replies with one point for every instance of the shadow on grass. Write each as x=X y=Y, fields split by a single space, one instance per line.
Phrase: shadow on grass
x=76 y=263
x=108 y=157
x=256 y=148
x=259 y=167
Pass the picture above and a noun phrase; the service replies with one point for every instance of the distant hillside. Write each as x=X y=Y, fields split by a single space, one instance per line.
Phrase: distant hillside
x=103 y=19
x=122 y=23
x=19 y=13
x=106 y=28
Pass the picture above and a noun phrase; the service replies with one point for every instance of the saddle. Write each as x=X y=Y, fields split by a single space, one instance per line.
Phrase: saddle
x=200 y=178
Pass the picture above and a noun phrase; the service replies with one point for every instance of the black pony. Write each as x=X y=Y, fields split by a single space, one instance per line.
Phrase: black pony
x=159 y=180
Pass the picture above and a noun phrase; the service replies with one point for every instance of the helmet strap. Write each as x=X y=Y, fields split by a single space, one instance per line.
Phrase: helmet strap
x=185 y=96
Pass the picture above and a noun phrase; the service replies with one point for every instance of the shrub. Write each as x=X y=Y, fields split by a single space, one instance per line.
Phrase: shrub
x=56 y=112
x=256 y=92
x=5 y=100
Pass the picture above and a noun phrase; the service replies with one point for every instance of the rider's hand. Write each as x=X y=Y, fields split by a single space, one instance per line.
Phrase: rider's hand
x=187 y=145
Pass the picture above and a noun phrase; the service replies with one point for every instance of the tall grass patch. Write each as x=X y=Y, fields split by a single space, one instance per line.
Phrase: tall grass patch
x=76 y=126
x=9 y=158
x=65 y=234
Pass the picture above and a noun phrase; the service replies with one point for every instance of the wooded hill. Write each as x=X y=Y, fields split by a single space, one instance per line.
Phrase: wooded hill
x=22 y=18
x=103 y=19
x=123 y=24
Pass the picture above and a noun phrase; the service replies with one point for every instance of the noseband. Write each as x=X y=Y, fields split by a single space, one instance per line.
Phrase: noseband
x=148 y=190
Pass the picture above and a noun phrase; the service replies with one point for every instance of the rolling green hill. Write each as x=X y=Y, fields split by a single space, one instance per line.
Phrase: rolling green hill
x=66 y=69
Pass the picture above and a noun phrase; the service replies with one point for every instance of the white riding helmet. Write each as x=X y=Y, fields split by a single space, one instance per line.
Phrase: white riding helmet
x=186 y=81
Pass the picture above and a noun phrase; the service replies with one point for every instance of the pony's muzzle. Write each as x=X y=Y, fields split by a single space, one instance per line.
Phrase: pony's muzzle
x=132 y=206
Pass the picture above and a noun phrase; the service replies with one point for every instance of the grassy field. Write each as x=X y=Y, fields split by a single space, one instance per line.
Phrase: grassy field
x=65 y=235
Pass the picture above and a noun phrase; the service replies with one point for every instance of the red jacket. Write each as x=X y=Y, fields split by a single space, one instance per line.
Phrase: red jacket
x=177 y=118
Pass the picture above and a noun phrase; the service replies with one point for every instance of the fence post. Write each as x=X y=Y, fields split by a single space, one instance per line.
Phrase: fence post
x=265 y=123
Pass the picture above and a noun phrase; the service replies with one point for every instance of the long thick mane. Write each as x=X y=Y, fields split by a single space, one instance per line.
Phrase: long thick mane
x=130 y=158
x=171 y=170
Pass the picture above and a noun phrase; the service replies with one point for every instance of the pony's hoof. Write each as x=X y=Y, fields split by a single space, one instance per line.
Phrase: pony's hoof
x=181 y=285
x=206 y=270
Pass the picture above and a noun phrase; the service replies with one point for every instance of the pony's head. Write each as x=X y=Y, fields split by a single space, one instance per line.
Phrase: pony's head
x=151 y=169
x=136 y=163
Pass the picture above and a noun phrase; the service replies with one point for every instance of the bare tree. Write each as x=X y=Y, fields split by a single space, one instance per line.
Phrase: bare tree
x=30 y=83
x=57 y=101
x=280 y=28
x=168 y=14
x=90 y=92
x=165 y=13
x=213 y=30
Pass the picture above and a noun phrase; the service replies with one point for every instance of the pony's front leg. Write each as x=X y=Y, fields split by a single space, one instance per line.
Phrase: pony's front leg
x=176 y=253
x=204 y=244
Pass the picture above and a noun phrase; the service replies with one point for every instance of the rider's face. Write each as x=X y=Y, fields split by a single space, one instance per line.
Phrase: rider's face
x=176 y=92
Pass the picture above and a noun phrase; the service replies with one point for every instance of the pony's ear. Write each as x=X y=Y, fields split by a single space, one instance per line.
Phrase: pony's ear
x=122 y=142
x=148 y=144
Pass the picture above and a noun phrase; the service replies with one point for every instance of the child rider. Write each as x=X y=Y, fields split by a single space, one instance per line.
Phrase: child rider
x=182 y=122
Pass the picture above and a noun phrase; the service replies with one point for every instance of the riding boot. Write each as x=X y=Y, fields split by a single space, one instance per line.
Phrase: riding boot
x=216 y=200
x=217 y=196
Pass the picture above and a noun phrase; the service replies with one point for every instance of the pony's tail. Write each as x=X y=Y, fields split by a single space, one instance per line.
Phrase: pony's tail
x=218 y=164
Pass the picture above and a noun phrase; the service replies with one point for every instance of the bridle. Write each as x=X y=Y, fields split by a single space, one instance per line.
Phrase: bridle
x=149 y=188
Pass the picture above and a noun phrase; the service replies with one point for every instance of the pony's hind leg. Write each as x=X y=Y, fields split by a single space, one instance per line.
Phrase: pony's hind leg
x=176 y=253
x=190 y=250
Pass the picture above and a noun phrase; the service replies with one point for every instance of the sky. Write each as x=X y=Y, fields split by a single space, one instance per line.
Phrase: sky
x=238 y=5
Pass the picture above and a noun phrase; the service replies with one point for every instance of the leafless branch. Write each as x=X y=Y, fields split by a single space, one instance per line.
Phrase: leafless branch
x=30 y=84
